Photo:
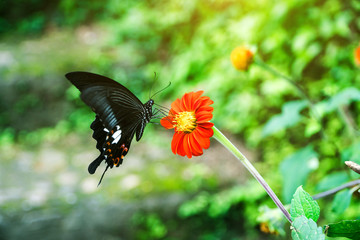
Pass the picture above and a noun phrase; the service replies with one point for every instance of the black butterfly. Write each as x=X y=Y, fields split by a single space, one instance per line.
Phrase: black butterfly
x=119 y=115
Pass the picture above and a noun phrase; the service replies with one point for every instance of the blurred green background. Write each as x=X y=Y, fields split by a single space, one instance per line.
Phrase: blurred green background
x=45 y=139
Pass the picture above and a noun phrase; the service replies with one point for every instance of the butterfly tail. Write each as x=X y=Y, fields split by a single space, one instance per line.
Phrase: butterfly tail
x=102 y=176
x=94 y=165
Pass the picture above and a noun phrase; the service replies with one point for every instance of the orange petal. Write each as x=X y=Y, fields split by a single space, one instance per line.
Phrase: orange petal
x=207 y=101
x=166 y=122
x=204 y=108
x=195 y=146
x=202 y=113
x=176 y=106
x=197 y=104
x=206 y=125
x=203 y=141
x=203 y=101
x=191 y=100
x=175 y=142
x=188 y=143
x=180 y=148
x=195 y=96
x=205 y=132
x=186 y=101
x=206 y=143
x=200 y=118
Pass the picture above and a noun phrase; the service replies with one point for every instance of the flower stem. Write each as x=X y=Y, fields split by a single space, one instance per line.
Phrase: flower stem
x=224 y=141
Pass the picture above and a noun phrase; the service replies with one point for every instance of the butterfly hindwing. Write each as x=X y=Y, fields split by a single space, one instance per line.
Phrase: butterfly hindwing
x=99 y=135
x=119 y=115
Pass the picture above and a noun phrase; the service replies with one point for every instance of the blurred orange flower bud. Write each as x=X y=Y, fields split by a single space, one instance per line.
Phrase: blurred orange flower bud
x=241 y=58
x=265 y=228
x=357 y=56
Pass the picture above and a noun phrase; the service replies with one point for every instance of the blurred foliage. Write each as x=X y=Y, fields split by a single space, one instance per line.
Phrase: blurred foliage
x=296 y=168
x=189 y=43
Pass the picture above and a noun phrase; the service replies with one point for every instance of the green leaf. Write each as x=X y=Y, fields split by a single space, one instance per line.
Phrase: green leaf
x=312 y=127
x=332 y=180
x=302 y=204
x=295 y=169
x=303 y=228
x=341 y=201
x=352 y=153
x=346 y=228
x=289 y=116
x=344 y=97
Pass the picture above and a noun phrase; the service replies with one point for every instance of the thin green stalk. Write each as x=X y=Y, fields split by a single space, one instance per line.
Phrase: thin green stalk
x=337 y=189
x=226 y=143
x=350 y=126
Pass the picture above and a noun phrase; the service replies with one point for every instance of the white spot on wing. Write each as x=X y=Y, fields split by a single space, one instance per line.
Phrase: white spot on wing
x=106 y=130
x=116 y=136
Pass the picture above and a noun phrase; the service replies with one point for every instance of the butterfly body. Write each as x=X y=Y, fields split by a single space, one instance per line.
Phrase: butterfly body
x=119 y=116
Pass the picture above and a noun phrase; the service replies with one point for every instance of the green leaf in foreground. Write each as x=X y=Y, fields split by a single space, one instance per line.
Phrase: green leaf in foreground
x=346 y=228
x=341 y=201
x=302 y=204
x=303 y=228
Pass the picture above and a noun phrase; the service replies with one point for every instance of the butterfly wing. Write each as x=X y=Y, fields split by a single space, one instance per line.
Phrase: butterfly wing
x=109 y=99
x=119 y=115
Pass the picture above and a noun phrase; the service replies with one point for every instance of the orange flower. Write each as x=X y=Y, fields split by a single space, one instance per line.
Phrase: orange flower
x=241 y=58
x=357 y=56
x=190 y=117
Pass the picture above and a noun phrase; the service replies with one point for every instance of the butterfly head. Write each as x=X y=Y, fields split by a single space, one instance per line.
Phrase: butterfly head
x=148 y=110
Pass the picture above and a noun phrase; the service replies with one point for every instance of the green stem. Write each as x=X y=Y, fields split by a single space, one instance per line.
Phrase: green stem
x=350 y=126
x=226 y=143
x=337 y=189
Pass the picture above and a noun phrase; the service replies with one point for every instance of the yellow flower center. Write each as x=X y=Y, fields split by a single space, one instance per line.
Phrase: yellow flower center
x=185 y=122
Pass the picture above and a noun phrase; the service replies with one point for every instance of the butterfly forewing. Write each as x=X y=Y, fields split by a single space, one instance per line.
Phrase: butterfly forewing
x=119 y=115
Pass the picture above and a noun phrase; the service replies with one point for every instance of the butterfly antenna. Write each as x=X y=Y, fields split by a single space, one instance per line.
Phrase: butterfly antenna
x=102 y=176
x=155 y=78
x=161 y=90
